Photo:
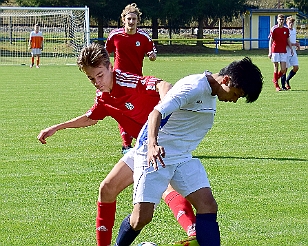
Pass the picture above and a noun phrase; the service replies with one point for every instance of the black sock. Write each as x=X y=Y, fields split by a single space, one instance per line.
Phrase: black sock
x=207 y=229
x=127 y=234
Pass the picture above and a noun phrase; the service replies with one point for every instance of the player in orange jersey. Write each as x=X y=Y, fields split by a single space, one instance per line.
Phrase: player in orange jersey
x=36 y=45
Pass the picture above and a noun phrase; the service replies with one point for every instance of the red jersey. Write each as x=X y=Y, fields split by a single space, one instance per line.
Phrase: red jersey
x=280 y=37
x=129 y=50
x=130 y=101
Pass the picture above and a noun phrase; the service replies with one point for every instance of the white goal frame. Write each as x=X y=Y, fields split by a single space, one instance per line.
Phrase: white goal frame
x=65 y=30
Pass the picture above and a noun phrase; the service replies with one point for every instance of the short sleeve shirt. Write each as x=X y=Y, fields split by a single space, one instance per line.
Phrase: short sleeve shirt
x=129 y=50
x=280 y=37
x=131 y=100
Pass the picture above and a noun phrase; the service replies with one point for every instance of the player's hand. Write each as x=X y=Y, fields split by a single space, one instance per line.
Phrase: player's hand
x=156 y=154
x=269 y=56
x=45 y=134
x=152 y=55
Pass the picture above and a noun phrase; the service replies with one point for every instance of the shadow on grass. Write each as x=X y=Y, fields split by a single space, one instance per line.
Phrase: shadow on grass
x=250 y=158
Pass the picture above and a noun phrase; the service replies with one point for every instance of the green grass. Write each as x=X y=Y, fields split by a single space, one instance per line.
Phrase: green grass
x=256 y=157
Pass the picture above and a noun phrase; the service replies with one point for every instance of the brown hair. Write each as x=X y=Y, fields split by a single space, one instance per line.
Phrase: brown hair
x=280 y=16
x=290 y=18
x=93 y=55
x=131 y=8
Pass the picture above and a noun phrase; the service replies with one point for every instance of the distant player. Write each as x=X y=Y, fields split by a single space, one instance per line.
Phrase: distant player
x=36 y=45
x=130 y=45
x=277 y=51
x=292 y=60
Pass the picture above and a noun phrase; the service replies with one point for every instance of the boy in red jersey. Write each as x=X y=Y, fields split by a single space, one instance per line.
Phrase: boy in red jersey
x=36 y=45
x=277 y=51
x=128 y=99
x=130 y=45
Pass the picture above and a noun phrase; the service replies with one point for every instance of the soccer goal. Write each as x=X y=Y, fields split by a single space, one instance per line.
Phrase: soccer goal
x=65 y=32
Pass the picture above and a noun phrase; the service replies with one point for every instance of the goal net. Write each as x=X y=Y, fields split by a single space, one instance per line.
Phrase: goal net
x=65 y=32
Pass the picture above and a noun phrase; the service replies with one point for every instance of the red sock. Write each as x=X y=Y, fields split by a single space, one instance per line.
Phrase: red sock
x=104 y=222
x=182 y=211
x=32 y=59
x=276 y=77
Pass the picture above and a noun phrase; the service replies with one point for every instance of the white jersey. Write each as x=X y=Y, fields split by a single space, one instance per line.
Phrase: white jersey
x=188 y=110
x=292 y=38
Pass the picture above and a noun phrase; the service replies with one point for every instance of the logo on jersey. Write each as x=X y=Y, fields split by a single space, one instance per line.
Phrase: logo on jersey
x=199 y=101
x=137 y=43
x=129 y=106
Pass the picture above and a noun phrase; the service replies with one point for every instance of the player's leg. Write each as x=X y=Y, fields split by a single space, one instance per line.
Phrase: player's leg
x=190 y=179
x=132 y=225
x=118 y=179
x=207 y=228
x=283 y=69
x=181 y=209
x=126 y=140
x=275 y=60
x=32 y=59
x=37 y=61
x=294 y=63
x=145 y=197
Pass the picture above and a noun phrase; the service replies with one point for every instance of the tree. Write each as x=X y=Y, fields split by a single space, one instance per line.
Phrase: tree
x=205 y=10
x=302 y=5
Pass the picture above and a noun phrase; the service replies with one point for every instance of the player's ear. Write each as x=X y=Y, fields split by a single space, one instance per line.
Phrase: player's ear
x=225 y=80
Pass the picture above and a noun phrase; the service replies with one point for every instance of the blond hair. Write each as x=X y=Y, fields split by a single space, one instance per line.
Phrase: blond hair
x=290 y=18
x=131 y=8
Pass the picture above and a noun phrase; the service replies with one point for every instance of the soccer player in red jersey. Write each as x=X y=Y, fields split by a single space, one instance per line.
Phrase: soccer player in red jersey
x=277 y=51
x=130 y=45
x=128 y=99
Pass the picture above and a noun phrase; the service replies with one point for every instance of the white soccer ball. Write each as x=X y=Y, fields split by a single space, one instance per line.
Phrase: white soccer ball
x=147 y=244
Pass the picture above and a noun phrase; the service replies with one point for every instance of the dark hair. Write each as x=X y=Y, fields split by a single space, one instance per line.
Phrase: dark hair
x=246 y=76
x=93 y=55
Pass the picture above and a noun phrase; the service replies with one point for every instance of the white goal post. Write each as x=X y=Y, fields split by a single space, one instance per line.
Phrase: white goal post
x=65 y=30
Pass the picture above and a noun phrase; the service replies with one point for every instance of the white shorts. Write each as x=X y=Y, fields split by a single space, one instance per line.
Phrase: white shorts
x=36 y=51
x=292 y=60
x=128 y=158
x=185 y=177
x=279 y=57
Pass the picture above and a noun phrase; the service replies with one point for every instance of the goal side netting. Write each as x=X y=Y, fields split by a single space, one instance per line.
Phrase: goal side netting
x=65 y=31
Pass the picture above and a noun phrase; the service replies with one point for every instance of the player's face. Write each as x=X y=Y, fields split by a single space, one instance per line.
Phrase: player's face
x=280 y=21
x=101 y=77
x=229 y=93
x=130 y=23
x=290 y=24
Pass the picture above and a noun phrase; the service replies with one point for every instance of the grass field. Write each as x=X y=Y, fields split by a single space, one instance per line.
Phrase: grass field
x=256 y=157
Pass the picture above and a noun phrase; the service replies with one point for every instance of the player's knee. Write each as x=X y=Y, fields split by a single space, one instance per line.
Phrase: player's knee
x=207 y=206
x=107 y=192
x=140 y=221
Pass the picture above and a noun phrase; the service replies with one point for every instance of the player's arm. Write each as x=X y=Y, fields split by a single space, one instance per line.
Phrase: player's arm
x=78 y=122
x=155 y=151
x=270 y=42
x=162 y=87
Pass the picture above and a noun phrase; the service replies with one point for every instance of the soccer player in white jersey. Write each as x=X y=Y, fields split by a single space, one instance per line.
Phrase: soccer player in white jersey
x=36 y=45
x=129 y=99
x=163 y=152
x=292 y=60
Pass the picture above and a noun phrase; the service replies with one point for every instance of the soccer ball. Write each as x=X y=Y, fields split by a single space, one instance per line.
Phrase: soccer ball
x=147 y=244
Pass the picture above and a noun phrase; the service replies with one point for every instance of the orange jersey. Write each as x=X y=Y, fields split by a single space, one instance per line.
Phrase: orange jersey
x=36 y=40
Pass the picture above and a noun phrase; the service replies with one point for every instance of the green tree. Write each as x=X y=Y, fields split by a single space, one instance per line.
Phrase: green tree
x=205 y=10
x=302 y=5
